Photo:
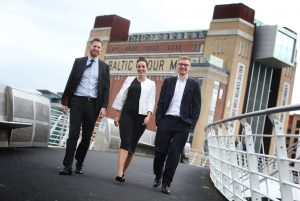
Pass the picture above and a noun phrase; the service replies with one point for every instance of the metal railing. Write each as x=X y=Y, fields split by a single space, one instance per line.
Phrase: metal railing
x=250 y=165
x=60 y=129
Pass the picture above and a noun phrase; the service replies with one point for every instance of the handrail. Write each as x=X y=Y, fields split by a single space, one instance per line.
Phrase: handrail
x=268 y=111
x=246 y=172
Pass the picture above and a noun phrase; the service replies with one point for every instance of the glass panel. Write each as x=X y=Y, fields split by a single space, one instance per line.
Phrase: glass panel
x=284 y=47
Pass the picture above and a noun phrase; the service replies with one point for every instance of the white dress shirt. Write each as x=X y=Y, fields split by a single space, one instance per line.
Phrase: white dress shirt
x=174 y=107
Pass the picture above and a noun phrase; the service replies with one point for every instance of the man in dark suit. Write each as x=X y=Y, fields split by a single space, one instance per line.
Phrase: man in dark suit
x=86 y=94
x=178 y=109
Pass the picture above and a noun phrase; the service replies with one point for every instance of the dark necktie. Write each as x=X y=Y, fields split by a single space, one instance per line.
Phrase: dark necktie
x=90 y=64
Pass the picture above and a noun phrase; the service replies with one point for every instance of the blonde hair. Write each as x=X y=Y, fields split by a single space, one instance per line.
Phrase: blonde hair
x=184 y=58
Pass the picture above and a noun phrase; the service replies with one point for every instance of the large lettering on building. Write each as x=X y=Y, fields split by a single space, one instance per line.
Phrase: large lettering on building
x=237 y=90
x=163 y=65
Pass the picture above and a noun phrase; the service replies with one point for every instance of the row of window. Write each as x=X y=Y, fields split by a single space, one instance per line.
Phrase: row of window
x=220 y=44
x=167 y=36
x=288 y=72
x=155 y=48
x=151 y=77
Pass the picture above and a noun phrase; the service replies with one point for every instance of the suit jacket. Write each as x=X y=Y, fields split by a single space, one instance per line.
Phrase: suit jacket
x=75 y=77
x=147 y=98
x=190 y=103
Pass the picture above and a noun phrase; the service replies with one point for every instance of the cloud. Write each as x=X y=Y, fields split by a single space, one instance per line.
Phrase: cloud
x=40 y=39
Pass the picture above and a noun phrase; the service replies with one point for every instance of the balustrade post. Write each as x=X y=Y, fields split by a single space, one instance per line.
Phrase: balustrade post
x=252 y=162
x=235 y=173
x=282 y=163
x=224 y=163
x=217 y=162
x=211 y=150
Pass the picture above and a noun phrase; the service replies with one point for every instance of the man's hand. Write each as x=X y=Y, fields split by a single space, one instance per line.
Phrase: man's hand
x=147 y=118
x=65 y=109
x=102 y=113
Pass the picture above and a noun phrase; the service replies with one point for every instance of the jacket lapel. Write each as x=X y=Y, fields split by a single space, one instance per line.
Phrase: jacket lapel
x=100 y=71
x=171 y=90
x=172 y=87
x=187 y=86
x=82 y=65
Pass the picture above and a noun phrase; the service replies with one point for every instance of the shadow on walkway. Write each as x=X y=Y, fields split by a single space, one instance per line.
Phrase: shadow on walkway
x=31 y=174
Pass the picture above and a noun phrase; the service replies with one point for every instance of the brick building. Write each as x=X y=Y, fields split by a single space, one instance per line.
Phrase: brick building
x=241 y=65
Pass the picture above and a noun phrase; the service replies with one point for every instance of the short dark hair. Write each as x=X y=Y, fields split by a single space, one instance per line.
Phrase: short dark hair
x=142 y=59
x=96 y=40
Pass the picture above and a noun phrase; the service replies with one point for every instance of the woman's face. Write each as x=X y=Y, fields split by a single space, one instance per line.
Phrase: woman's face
x=141 y=68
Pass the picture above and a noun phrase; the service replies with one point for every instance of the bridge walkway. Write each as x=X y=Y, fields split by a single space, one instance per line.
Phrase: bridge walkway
x=31 y=174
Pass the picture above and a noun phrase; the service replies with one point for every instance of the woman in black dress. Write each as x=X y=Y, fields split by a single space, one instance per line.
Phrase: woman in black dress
x=134 y=106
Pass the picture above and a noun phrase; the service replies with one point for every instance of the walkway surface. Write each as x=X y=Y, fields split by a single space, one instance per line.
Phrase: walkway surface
x=31 y=174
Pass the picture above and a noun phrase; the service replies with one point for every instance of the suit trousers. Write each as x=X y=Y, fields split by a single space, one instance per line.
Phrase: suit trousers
x=171 y=136
x=83 y=115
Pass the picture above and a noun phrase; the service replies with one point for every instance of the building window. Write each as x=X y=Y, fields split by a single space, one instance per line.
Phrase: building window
x=195 y=60
x=114 y=50
x=298 y=124
x=200 y=81
x=213 y=102
x=284 y=47
x=220 y=94
x=195 y=47
x=219 y=46
x=295 y=140
x=201 y=48
x=177 y=48
x=241 y=48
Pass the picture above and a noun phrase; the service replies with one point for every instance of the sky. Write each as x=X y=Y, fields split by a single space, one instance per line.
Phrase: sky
x=40 y=39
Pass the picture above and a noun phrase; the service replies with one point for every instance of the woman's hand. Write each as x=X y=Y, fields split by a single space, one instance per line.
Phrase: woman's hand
x=116 y=120
x=147 y=119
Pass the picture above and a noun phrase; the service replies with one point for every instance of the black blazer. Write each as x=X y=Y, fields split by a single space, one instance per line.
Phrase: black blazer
x=190 y=104
x=75 y=77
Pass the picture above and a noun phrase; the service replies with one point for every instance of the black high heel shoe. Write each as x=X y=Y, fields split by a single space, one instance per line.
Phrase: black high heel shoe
x=120 y=179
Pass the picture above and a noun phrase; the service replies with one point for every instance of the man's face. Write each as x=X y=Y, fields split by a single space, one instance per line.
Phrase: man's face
x=183 y=67
x=95 y=49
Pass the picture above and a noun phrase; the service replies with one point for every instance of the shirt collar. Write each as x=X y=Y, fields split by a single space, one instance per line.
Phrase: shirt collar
x=184 y=79
x=93 y=58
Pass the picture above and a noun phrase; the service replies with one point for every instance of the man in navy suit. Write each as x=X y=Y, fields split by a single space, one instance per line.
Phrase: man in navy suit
x=178 y=109
x=86 y=94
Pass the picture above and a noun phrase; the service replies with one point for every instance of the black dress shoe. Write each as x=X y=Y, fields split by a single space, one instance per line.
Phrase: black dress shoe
x=67 y=170
x=156 y=182
x=78 y=169
x=165 y=189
